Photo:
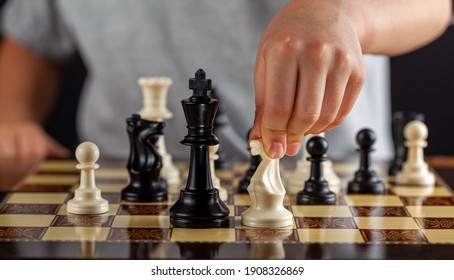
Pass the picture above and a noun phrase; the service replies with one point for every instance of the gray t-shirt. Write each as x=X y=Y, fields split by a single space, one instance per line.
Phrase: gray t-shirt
x=121 y=41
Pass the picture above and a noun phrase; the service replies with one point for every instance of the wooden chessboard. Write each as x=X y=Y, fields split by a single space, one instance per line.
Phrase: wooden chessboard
x=403 y=223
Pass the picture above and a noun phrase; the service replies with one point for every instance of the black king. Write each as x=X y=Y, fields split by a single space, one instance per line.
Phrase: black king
x=199 y=205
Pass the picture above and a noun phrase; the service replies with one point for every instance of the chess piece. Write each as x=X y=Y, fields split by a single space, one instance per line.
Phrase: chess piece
x=216 y=181
x=199 y=205
x=253 y=164
x=400 y=151
x=303 y=169
x=87 y=198
x=219 y=121
x=267 y=194
x=154 y=90
x=316 y=188
x=366 y=180
x=144 y=163
x=415 y=170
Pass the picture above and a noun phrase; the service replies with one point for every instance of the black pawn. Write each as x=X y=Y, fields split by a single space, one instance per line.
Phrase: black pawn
x=219 y=121
x=199 y=205
x=399 y=122
x=253 y=164
x=316 y=188
x=145 y=163
x=366 y=180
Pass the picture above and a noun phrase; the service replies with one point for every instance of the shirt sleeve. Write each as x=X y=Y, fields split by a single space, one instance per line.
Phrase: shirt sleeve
x=38 y=25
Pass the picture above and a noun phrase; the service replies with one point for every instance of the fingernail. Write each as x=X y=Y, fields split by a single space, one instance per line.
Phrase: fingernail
x=293 y=148
x=277 y=150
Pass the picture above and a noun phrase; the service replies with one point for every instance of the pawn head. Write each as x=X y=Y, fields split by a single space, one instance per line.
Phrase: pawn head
x=87 y=153
x=366 y=138
x=416 y=130
x=317 y=146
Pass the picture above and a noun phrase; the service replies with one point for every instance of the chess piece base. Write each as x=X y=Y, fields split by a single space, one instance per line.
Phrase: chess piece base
x=157 y=191
x=306 y=199
x=302 y=174
x=415 y=179
x=90 y=207
x=199 y=210
x=267 y=218
x=366 y=183
x=316 y=194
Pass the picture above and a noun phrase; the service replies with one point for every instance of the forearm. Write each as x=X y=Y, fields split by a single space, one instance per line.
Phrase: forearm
x=28 y=83
x=394 y=27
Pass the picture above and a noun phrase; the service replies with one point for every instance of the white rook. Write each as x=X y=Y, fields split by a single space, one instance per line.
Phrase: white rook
x=154 y=90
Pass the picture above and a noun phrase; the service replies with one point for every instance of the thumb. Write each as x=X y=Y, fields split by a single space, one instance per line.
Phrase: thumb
x=55 y=149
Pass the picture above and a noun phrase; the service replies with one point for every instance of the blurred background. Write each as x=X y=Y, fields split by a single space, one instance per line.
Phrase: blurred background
x=421 y=82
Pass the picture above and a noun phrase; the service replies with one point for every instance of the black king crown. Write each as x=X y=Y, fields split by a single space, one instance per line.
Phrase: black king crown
x=200 y=110
x=199 y=205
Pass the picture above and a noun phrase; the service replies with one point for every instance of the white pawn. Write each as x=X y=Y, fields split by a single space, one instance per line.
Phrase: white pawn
x=302 y=172
x=87 y=198
x=216 y=181
x=267 y=194
x=415 y=171
x=154 y=90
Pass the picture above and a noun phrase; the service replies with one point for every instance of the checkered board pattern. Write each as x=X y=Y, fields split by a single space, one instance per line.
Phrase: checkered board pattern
x=35 y=210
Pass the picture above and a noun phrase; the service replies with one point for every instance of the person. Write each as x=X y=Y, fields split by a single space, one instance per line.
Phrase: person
x=306 y=61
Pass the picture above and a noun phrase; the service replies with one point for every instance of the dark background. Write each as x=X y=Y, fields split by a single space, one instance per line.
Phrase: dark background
x=421 y=81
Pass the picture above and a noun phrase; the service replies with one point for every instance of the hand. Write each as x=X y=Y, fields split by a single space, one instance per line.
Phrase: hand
x=309 y=72
x=28 y=140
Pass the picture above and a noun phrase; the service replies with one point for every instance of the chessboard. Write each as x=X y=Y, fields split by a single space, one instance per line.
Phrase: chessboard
x=404 y=223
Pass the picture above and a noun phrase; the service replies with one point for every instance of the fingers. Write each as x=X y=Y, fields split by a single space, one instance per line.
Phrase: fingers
x=308 y=95
x=28 y=141
x=259 y=85
x=352 y=91
x=281 y=76
x=336 y=81
x=55 y=149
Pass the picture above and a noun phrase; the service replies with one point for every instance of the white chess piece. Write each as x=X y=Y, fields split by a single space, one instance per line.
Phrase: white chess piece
x=216 y=181
x=267 y=194
x=415 y=170
x=154 y=90
x=295 y=182
x=87 y=198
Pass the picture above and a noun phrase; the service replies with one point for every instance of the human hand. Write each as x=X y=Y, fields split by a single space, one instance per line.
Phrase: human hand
x=309 y=72
x=28 y=140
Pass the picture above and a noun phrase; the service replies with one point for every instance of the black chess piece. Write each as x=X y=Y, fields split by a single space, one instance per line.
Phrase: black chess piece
x=316 y=188
x=399 y=122
x=366 y=180
x=145 y=163
x=220 y=121
x=253 y=164
x=199 y=205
